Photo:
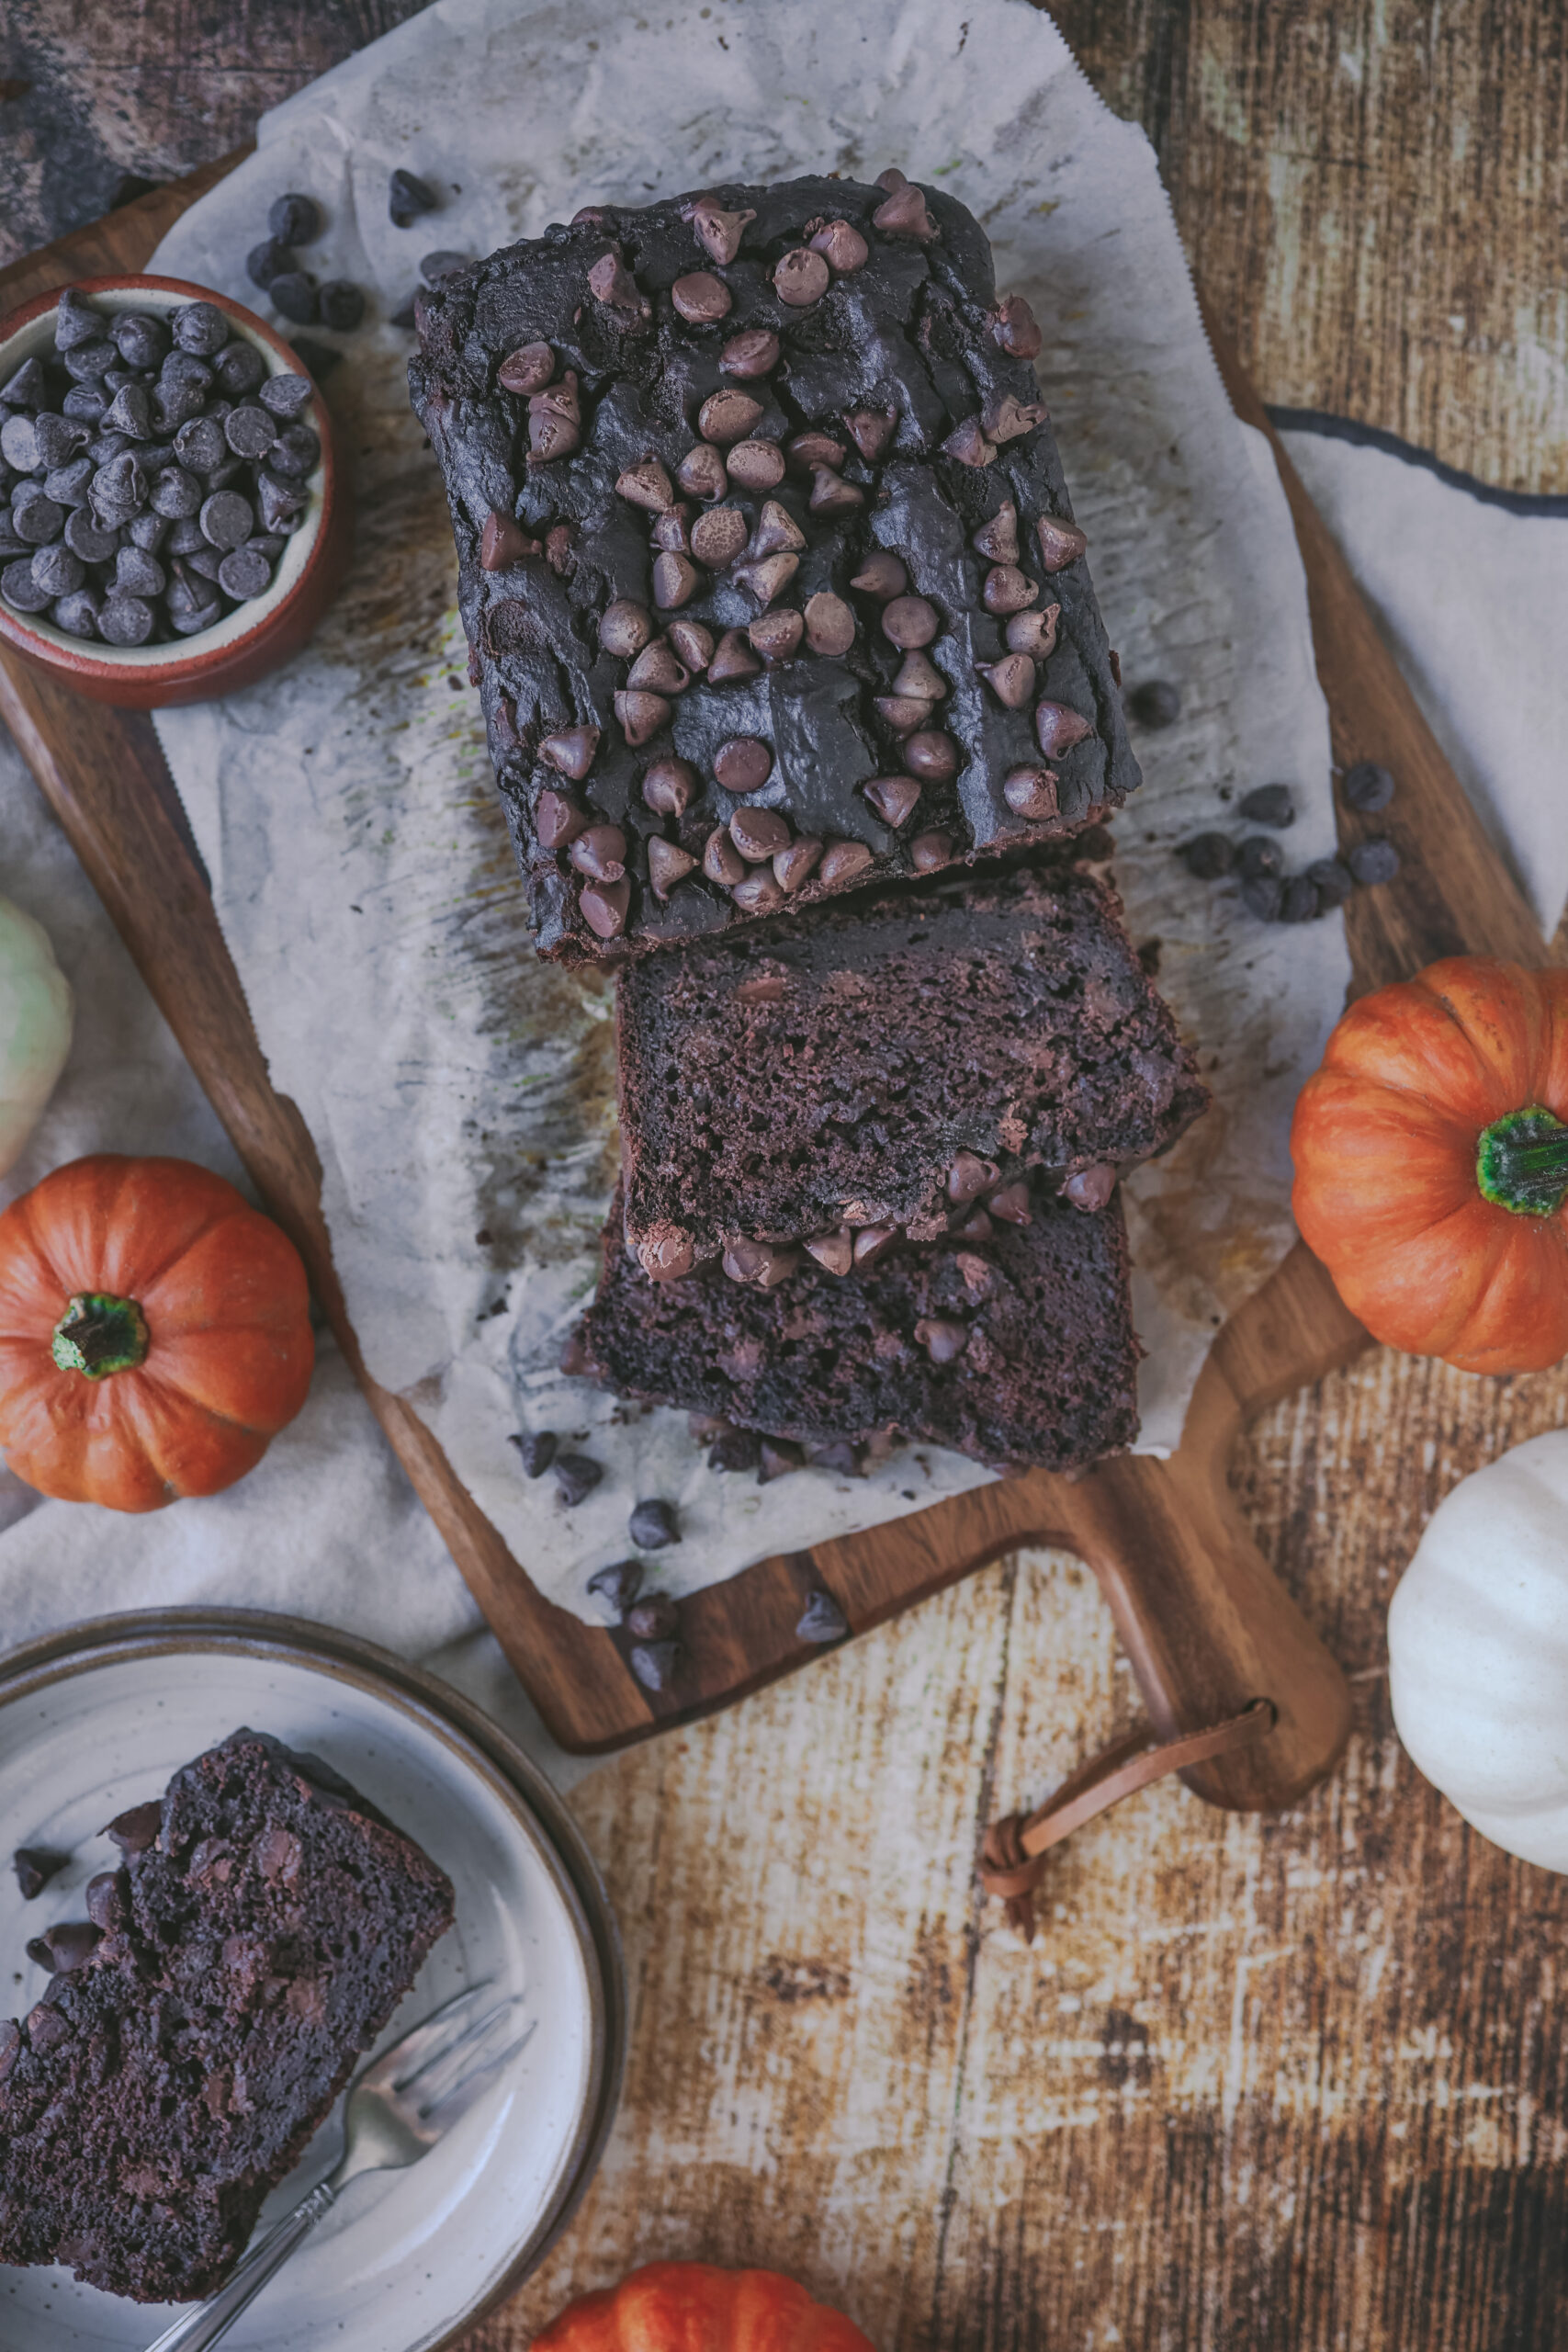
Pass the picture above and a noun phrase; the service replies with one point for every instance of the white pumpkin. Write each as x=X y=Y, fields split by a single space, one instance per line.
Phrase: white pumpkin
x=1478 y=1650
x=35 y=1027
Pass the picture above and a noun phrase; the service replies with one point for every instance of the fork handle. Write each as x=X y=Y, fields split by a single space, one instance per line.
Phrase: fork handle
x=207 y=2321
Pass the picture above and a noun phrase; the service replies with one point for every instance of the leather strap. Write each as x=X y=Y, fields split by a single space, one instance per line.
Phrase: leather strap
x=1012 y=1856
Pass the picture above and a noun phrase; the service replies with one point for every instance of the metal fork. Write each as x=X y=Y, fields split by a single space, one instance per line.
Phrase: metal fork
x=401 y=2106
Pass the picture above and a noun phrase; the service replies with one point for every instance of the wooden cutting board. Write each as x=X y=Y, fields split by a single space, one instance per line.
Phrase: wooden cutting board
x=1207 y=1626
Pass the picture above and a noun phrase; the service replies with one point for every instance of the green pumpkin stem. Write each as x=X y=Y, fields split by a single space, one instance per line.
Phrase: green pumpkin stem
x=1522 y=1162
x=97 y=1335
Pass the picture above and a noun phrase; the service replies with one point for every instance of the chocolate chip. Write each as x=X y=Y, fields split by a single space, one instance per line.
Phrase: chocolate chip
x=909 y=621
x=407 y=198
x=1269 y=804
x=1264 y=895
x=34 y=1866
x=654 y=1618
x=74 y=1943
x=239 y=368
x=758 y=833
x=227 y=519
x=654 y=1525
x=969 y=1176
x=718 y=537
x=1372 y=862
x=749 y=354
x=1008 y=590
x=722 y=861
x=676 y=580
x=56 y=571
x=1208 y=856
x=1156 y=703
x=19 y=589
x=822 y=1619
x=743 y=765
x=434 y=269
x=702 y=472
x=1091 y=1188
x=135 y=1830
x=872 y=1243
x=931 y=755
x=732 y=659
x=763 y=1264
x=285 y=395
x=600 y=852
x=571 y=752
x=178 y=495
x=727 y=417
x=657 y=671
x=527 y=369
x=1298 y=901
x=266 y=261
x=1011 y=1203
x=928 y=852
x=106 y=1902
x=842 y=1457
x=1368 y=787
x=943 y=1340
x=40 y=1952
x=36 y=519
x=1333 y=880
x=656 y=1663
x=780 y=1456
x=576 y=1476
x=701 y=298
x=1259 y=856
x=718 y=231
x=777 y=635
x=755 y=465
x=801 y=277
x=841 y=246
x=293 y=294
x=249 y=430
x=28 y=387
x=294 y=219
x=735 y=1450
x=536 y=1451
x=668 y=864
x=968 y=444
x=841 y=863
x=692 y=643
x=604 y=907
x=243 y=573
x=617 y=1586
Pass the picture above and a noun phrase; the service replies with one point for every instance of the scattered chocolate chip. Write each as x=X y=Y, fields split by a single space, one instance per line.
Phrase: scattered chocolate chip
x=1157 y=703
x=72 y=1942
x=40 y=1952
x=285 y=395
x=576 y=1476
x=200 y=328
x=909 y=621
x=894 y=798
x=34 y=1866
x=755 y=465
x=743 y=765
x=1058 y=727
x=872 y=1243
x=968 y=445
x=1264 y=894
x=735 y=1450
x=842 y=861
x=943 y=1340
x=536 y=1451
x=794 y=866
x=718 y=537
x=1368 y=787
x=701 y=299
x=1060 y=543
x=718 y=231
x=339 y=305
x=1033 y=794
x=625 y=628
x=1372 y=862
x=969 y=1176
x=571 y=752
x=407 y=198
x=676 y=580
x=1334 y=881
x=905 y=215
x=556 y=820
x=777 y=635
x=617 y=1586
x=1269 y=804
x=293 y=294
x=1208 y=856
x=763 y=1264
x=822 y=1619
x=294 y=219
x=654 y=1525
x=605 y=906
x=702 y=472
x=1259 y=856
x=1011 y=1203
x=727 y=417
x=931 y=755
x=872 y=430
x=842 y=1457
x=1298 y=901
x=656 y=1663
x=801 y=277
x=834 y=1252
x=654 y=1618
x=928 y=852
x=641 y=716
x=779 y=1456
x=137 y=1830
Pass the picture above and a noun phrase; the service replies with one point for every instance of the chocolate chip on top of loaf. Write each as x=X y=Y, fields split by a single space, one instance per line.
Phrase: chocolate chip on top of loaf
x=765 y=557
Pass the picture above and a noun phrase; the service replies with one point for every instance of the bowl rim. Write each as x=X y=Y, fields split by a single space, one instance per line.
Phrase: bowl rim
x=466 y=1728
x=225 y=643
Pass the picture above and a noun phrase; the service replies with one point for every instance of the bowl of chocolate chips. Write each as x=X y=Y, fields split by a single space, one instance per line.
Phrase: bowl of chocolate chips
x=171 y=523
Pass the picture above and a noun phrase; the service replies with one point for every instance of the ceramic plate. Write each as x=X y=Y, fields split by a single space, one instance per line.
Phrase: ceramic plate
x=98 y=1720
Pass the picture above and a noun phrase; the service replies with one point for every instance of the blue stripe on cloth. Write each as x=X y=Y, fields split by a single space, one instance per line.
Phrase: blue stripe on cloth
x=1371 y=437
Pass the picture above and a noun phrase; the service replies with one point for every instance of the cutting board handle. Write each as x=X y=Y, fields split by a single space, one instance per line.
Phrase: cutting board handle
x=1206 y=1623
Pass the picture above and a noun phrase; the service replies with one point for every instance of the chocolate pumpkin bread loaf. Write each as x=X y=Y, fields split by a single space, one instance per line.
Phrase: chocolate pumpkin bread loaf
x=263 y=1925
x=765 y=558
x=1012 y=1342
x=889 y=1060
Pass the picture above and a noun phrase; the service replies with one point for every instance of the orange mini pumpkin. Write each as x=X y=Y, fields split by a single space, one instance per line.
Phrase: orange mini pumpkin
x=155 y=1333
x=696 y=2307
x=1431 y=1153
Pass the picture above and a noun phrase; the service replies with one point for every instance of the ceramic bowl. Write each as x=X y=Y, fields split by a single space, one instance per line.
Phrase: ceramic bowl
x=98 y=1717
x=253 y=638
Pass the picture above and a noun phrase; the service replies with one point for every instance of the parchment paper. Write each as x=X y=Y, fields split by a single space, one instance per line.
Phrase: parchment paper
x=460 y=1094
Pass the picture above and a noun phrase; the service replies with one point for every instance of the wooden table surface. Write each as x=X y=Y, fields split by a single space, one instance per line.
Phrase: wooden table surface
x=1293 y=2085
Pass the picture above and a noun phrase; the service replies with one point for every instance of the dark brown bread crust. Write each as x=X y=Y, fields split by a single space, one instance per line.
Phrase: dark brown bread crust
x=913 y=333
x=157 y=2093
x=831 y=1069
x=1016 y=1350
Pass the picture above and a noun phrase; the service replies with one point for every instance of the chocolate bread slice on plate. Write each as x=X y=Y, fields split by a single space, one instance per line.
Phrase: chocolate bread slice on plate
x=263 y=1924
x=765 y=557
x=891 y=1060
x=1017 y=1347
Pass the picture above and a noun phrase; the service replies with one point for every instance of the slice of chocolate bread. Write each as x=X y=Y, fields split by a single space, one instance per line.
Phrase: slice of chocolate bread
x=263 y=1924
x=1016 y=1348
x=891 y=1060
x=764 y=555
